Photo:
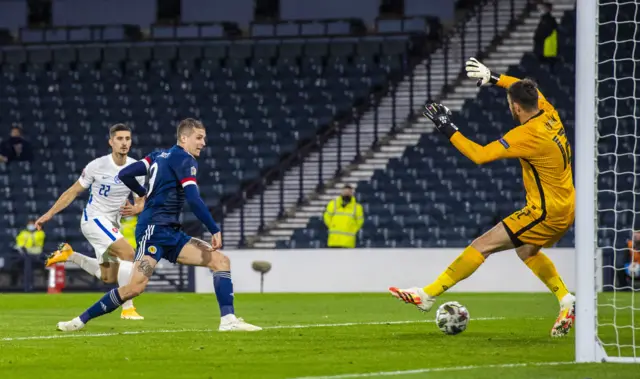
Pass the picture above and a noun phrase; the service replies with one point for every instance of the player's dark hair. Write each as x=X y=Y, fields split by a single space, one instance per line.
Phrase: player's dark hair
x=525 y=94
x=118 y=128
x=186 y=127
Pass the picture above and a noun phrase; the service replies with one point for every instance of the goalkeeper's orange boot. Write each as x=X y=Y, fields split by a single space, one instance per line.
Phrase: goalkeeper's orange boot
x=415 y=296
x=61 y=255
x=567 y=316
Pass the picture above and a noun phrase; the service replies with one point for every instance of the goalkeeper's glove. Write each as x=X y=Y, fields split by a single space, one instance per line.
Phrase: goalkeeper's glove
x=476 y=70
x=439 y=115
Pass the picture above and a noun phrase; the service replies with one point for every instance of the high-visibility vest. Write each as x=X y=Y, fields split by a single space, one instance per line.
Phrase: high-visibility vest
x=551 y=45
x=128 y=229
x=343 y=222
x=32 y=242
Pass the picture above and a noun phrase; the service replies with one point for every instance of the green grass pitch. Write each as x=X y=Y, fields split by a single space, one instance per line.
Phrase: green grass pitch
x=307 y=335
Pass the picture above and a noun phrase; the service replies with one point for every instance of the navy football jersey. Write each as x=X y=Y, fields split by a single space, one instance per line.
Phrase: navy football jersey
x=170 y=171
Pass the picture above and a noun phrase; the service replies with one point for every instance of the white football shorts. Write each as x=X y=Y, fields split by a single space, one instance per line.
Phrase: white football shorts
x=101 y=233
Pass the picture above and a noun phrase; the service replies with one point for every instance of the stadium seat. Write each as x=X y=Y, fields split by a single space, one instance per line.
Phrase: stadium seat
x=416 y=202
x=257 y=100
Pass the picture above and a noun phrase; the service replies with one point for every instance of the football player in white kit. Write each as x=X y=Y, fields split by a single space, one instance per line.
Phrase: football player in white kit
x=100 y=220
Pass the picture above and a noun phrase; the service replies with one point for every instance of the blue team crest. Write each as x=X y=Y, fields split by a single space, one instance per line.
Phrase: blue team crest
x=152 y=249
x=193 y=170
x=117 y=179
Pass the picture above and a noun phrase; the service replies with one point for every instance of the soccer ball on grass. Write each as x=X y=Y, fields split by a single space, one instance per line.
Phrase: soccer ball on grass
x=452 y=318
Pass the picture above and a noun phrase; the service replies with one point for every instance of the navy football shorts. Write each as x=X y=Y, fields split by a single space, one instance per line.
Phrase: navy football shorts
x=160 y=241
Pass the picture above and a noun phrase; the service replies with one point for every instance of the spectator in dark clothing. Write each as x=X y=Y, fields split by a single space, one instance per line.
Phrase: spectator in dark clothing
x=545 y=38
x=15 y=148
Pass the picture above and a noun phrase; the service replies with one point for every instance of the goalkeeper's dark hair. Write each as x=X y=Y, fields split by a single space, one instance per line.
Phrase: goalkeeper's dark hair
x=186 y=127
x=118 y=128
x=525 y=94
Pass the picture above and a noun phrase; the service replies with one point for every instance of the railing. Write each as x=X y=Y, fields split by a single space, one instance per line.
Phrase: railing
x=305 y=149
x=471 y=41
x=218 y=31
x=470 y=44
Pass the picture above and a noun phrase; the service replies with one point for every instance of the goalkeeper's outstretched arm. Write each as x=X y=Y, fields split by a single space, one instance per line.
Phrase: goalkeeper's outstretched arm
x=515 y=144
x=482 y=154
x=476 y=70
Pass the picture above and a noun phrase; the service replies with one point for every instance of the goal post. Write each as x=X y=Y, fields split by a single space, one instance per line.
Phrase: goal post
x=587 y=347
x=607 y=152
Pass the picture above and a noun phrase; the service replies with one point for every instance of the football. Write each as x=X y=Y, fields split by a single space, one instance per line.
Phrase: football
x=452 y=318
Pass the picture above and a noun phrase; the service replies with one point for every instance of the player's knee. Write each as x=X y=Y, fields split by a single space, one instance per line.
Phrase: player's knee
x=220 y=262
x=109 y=279
x=122 y=250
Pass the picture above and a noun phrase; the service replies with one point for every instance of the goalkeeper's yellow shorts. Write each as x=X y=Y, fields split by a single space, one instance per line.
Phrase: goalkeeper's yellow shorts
x=530 y=226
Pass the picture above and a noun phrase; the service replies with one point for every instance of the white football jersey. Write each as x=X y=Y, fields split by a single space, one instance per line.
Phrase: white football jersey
x=107 y=193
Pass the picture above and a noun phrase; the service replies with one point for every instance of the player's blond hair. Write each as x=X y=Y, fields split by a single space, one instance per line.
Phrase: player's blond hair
x=186 y=127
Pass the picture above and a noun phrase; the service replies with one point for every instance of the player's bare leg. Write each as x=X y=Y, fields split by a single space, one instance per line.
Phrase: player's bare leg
x=199 y=253
x=90 y=265
x=122 y=250
x=546 y=271
x=495 y=240
x=142 y=271
x=65 y=253
x=109 y=272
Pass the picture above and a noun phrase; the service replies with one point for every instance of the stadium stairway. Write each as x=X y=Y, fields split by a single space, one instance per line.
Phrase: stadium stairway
x=514 y=41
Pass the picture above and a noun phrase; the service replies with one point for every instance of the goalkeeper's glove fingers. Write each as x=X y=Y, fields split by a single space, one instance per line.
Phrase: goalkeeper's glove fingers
x=476 y=70
x=440 y=116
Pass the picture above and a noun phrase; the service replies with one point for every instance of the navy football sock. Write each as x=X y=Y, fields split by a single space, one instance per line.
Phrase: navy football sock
x=224 y=291
x=109 y=303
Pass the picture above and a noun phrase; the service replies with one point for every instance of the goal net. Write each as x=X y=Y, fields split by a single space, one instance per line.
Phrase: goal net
x=610 y=307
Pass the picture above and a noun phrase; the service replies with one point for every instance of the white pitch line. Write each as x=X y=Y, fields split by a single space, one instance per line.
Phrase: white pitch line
x=159 y=331
x=434 y=369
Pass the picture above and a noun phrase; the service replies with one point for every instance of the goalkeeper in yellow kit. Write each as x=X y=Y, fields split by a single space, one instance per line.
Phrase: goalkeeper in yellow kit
x=540 y=143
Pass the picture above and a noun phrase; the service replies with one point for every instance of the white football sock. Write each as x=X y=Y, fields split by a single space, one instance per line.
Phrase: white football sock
x=86 y=263
x=124 y=277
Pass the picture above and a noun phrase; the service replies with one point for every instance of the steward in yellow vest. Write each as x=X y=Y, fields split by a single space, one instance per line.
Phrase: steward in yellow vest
x=344 y=218
x=30 y=239
x=545 y=38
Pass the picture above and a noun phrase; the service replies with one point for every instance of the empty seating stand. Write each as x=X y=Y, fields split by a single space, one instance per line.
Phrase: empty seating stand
x=258 y=100
x=418 y=201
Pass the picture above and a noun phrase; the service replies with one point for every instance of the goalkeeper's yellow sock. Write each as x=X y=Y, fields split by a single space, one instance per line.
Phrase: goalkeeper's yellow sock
x=546 y=271
x=465 y=265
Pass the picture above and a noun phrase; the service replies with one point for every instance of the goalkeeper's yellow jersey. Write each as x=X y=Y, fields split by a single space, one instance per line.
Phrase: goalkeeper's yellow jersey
x=544 y=152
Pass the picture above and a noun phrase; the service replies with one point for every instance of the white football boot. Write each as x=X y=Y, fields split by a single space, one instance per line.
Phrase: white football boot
x=70 y=326
x=566 y=318
x=231 y=323
x=415 y=296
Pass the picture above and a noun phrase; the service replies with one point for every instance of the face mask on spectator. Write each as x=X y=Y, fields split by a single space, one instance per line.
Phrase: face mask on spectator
x=31 y=227
x=346 y=198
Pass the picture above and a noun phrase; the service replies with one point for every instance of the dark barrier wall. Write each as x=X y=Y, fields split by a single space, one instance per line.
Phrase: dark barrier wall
x=367 y=10
x=239 y=11
x=13 y=14
x=443 y=9
x=103 y=12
